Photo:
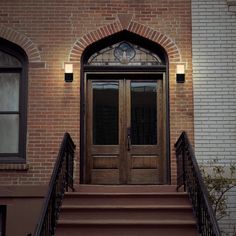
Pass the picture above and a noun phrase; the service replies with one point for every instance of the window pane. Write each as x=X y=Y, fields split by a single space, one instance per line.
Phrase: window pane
x=9 y=133
x=7 y=60
x=143 y=113
x=124 y=53
x=105 y=113
x=9 y=91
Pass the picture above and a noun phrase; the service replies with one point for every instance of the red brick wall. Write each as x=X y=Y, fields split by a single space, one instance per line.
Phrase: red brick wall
x=52 y=32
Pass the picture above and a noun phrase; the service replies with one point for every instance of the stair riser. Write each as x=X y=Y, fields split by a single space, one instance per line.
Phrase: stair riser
x=168 y=214
x=95 y=230
x=126 y=200
x=125 y=188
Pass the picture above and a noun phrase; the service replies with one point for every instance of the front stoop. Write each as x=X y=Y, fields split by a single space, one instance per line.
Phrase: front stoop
x=126 y=211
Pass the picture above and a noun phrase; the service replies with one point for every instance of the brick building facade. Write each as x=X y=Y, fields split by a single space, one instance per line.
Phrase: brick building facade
x=50 y=33
x=59 y=32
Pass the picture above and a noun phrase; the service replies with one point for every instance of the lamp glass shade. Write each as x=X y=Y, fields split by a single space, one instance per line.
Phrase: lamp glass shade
x=180 y=69
x=68 y=68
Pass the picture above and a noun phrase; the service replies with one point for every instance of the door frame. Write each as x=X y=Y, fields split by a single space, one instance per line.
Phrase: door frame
x=86 y=70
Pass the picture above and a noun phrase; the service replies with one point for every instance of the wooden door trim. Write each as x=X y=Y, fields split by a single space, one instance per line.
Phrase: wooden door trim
x=122 y=135
x=88 y=116
x=128 y=124
x=125 y=69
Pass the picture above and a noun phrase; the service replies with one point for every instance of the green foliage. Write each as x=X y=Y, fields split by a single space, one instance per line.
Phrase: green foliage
x=218 y=184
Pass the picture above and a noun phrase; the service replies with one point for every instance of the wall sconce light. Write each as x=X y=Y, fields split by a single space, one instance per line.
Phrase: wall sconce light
x=68 y=72
x=180 y=73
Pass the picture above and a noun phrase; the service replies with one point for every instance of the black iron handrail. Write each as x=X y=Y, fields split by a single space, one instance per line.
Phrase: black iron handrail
x=61 y=181
x=189 y=177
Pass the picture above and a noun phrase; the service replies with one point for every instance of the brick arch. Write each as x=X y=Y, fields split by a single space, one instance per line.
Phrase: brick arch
x=23 y=41
x=163 y=40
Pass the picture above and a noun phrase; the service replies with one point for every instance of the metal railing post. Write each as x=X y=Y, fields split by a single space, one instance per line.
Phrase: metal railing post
x=183 y=163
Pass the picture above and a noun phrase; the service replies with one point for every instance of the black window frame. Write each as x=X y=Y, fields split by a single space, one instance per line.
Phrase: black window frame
x=3 y=211
x=17 y=52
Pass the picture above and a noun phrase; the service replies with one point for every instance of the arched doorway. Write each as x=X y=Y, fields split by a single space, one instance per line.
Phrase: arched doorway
x=124 y=122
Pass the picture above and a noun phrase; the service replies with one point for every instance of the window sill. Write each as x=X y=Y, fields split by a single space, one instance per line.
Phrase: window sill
x=19 y=167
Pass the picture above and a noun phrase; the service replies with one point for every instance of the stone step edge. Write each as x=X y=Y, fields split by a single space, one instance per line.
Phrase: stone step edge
x=127 y=222
x=162 y=194
x=134 y=207
x=144 y=186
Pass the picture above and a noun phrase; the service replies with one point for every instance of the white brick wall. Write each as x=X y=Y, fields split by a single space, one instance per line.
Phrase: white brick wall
x=214 y=75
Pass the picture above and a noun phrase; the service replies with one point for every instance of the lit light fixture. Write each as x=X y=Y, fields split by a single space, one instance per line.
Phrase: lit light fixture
x=180 y=73
x=68 y=72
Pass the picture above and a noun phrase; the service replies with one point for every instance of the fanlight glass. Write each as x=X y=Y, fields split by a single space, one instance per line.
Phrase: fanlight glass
x=124 y=53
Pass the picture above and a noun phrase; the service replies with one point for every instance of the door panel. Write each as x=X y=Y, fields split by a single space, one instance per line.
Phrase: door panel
x=103 y=136
x=144 y=161
x=143 y=117
x=124 y=130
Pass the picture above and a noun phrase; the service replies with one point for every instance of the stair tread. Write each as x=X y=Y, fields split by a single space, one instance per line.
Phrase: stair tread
x=129 y=185
x=74 y=207
x=126 y=222
x=126 y=194
x=146 y=186
x=125 y=188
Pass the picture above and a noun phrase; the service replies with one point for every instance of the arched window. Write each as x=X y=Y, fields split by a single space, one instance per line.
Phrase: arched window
x=13 y=98
x=124 y=53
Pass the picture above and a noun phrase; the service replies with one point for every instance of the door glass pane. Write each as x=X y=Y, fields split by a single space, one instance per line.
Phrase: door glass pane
x=144 y=113
x=9 y=91
x=9 y=133
x=105 y=113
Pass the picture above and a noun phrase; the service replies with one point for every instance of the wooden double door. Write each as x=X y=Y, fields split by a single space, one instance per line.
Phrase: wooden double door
x=124 y=129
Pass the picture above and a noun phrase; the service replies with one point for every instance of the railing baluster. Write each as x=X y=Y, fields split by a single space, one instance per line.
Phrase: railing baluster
x=67 y=169
x=183 y=163
x=61 y=180
x=190 y=177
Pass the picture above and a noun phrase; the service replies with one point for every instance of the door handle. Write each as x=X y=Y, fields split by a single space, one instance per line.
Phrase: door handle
x=128 y=139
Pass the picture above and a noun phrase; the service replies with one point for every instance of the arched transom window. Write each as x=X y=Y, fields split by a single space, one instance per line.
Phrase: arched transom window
x=124 y=53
